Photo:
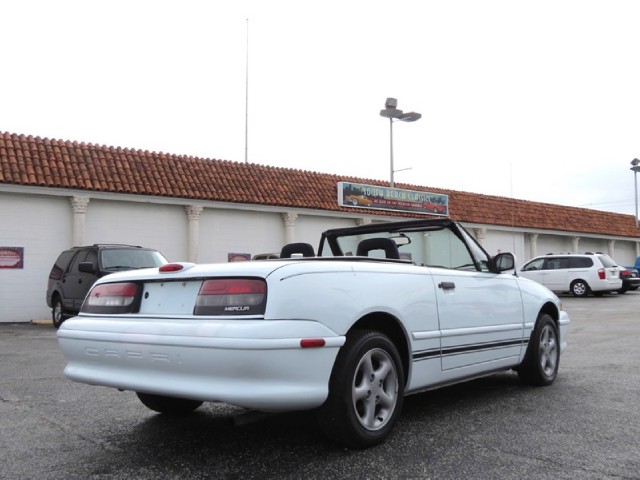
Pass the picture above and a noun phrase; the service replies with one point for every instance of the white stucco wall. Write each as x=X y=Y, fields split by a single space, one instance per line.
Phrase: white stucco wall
x=309 y=228
x=238 y=231
x=552 y=244
x=504 y=241
x=42 y=226
x=163 y=227
x=625 y=253
x=41 y=221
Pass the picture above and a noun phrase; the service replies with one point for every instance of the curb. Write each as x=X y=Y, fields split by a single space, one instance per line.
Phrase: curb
x=42 y=322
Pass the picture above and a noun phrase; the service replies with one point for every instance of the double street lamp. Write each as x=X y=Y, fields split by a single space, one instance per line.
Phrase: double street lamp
x=635 y=167
x=392 y=112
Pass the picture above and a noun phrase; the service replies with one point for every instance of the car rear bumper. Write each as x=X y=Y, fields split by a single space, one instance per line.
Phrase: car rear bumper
x=256 y=364
x=631 y=282
x=610 y=285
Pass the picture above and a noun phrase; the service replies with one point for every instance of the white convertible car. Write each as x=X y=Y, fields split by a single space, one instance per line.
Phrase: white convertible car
x=382 y=311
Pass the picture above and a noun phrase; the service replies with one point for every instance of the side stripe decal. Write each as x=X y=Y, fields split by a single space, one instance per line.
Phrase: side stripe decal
x=457 y=350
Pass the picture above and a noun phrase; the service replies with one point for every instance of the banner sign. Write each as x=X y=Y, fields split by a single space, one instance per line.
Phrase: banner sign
x=11 y=257
x=358 y=195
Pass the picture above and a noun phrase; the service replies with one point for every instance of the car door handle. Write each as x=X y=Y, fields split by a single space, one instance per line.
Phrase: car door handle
x=447 y=285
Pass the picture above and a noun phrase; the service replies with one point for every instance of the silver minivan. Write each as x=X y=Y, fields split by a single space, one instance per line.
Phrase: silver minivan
x=579 y=274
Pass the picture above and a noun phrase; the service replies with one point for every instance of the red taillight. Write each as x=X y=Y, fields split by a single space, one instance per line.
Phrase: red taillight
x=111 y=298
x=233 y=286
x=170 y=267
x=602 y=274
x=232 y=296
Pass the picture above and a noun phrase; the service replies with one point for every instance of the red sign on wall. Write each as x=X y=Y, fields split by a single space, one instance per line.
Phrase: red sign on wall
x=11 y=257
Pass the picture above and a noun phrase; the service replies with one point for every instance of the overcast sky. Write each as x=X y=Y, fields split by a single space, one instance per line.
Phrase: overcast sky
x=533 y=100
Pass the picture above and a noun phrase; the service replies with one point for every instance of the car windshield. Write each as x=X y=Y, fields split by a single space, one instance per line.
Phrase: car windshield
x=433 y=247
x=130 y=258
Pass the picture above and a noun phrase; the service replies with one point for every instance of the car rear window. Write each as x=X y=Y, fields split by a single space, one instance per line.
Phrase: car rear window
x=130 y=258
x=607 y=261
x=61 y=265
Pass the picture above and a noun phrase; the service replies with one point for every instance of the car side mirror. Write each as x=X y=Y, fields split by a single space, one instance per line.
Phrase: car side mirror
x=87 y=267
x=503 y=262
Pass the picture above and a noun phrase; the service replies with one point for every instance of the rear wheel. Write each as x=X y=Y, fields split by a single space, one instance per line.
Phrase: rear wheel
x=366 y=391
x=57 y=312
x=540 y=364
x=580 y=288
x=168 y=405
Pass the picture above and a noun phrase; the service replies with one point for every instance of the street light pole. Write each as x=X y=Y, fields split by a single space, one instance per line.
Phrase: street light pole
x=391 y=152
x=392 y=112
x=635 y=167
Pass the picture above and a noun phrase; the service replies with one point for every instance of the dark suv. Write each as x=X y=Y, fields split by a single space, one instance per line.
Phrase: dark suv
x=76 y=270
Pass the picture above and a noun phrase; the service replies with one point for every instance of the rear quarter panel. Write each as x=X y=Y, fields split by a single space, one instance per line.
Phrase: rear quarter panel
x=340 y=293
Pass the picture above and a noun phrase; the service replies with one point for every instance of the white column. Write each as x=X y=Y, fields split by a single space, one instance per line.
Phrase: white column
x=575 y=244
x=480 y=234
x=533 y=237
x=363 y=221
x=193 y=214
x=79 y=207
x=289 y=220
x=612 y=247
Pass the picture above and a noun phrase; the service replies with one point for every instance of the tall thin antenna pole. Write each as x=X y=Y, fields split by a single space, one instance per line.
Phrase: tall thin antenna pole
x=246 y=102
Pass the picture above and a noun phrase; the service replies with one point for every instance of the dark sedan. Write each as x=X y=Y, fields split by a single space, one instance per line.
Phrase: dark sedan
x=630 y=280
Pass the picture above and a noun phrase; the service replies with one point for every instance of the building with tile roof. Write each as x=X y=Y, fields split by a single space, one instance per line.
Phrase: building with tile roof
x=59 y=193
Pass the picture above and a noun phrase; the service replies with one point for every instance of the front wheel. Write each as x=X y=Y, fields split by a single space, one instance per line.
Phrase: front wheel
x=540 y=364
x=366 y=391
x=168 y=405
x=580 y=288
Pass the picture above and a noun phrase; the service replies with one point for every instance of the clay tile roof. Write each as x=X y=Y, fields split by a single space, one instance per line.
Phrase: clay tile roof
x=43 y=162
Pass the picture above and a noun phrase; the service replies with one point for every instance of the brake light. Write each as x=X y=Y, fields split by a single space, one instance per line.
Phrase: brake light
x=175 y=267
x=111 y=298
x=602 y=274
x=231 y=296
x=170 y=267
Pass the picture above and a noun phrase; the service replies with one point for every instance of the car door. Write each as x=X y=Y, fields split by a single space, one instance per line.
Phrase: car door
x=481 y=319
x=535 y=270
x=77 y=283
x=480 y=313
x=557 y=274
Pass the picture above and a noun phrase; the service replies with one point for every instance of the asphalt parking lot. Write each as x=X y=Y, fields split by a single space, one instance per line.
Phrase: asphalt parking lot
x=585 y=426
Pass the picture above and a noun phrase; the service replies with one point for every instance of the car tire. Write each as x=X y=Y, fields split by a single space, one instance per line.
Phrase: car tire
x=623 y=290
x=168 y=405
x=540 y=364
x=57 y=312
x=366 y=391
x=580 y=288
